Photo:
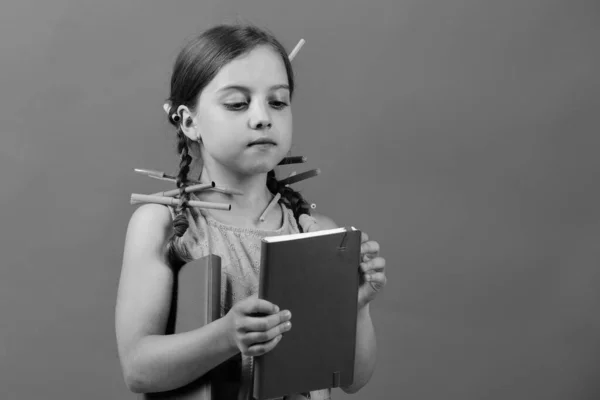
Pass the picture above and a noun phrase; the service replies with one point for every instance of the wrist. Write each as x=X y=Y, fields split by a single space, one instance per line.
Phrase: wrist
x=229 y=332
x=364 y=311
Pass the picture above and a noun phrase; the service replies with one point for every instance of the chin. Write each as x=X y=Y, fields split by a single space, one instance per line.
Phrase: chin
x=261 y=166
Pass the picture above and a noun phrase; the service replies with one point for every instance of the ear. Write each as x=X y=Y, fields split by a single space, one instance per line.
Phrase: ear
x=188 y=123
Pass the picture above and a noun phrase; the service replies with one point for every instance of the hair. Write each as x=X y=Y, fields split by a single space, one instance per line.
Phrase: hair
x=196 y=65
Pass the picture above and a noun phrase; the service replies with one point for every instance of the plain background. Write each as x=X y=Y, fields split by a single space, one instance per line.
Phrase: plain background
x=460 y=134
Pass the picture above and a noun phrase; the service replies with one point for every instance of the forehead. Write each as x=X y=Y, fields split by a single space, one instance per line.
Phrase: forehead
x=262 y=67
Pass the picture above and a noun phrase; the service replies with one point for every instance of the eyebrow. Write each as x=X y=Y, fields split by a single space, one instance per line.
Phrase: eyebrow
x=247 y=89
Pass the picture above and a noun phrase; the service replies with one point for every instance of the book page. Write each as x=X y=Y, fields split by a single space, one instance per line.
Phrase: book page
x=296 y=236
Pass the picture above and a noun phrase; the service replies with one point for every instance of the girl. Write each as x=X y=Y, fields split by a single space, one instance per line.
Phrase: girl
x=231 y=89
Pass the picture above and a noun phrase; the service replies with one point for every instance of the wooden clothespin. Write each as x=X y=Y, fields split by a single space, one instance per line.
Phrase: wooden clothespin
x=300 y=177
x=294 y=52
x=293 y=160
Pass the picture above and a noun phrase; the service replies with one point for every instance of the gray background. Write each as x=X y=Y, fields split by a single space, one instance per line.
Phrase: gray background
x=460 y=134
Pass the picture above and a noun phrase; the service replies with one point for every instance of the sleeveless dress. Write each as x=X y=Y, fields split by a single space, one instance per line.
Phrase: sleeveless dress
x=239 y=249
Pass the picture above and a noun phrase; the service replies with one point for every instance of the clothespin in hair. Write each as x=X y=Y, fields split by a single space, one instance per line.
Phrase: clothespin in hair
x=293 y=160
x=196 y=185
x=155 y=174
x=290 y=175
x=161 y=176
x=312 y=205
x=188 y=189
x=299 y=177
x=167 y=107
x=294 y=52
x=271 y=205
x=137 y=198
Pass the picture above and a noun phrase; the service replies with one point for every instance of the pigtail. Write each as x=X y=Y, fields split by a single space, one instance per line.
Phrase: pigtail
x=176 y=254
x=180 y=222
x=289 y=197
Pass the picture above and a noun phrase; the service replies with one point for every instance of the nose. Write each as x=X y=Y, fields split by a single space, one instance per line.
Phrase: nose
x=259 y=117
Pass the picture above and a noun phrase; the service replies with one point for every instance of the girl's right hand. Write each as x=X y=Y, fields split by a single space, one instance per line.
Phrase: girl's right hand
x=256 y=325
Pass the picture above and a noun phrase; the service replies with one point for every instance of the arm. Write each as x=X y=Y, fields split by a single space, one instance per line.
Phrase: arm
x=366 y=345
x=366 y=351
x=150 y=360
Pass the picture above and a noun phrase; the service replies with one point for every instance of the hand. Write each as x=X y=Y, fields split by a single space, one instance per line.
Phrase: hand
x=256 y=325
x=372 y=267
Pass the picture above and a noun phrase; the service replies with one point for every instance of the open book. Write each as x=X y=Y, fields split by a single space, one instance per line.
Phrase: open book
x=315 y=275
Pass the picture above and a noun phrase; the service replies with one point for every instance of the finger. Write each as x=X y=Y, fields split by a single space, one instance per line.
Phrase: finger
x=262 y=324
x=369 y=247
x=363 y=237
x=377 y=278
x=259 y=306
x=262 y=348
x=367 y=256
x=252 y=338
x=308 y=223
x=376 y=264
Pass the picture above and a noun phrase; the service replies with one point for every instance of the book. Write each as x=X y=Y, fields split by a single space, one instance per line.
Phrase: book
x=315 y=275
x=195 y=301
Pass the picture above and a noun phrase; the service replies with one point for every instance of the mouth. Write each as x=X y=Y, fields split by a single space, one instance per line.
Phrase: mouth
x=262 y=141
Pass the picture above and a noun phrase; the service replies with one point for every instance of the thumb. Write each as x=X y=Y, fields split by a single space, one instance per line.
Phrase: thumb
x=308 y=223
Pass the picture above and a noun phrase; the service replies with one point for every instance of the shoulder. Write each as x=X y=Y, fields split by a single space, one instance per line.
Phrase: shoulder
x=324 y=221
x=150 y=220
x=151 y=214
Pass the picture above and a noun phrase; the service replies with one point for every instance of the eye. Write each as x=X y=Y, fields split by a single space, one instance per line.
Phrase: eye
x=278 y=105
x=236 y=106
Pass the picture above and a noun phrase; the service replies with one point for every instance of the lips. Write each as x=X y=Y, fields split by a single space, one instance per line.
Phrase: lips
x=261 y=141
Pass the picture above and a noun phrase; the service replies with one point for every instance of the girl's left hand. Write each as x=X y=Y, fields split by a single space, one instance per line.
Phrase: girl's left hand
x=372 y=268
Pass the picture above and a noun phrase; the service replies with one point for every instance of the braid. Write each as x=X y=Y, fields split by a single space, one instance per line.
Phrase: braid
x=178 y=255
x=181 y=223
x=289 y=197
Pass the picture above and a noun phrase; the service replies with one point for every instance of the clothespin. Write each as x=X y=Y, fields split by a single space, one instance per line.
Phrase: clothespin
x=188 y=189
x=137 y=198
x=294 y=52
x=300 y=177
x=293 y=160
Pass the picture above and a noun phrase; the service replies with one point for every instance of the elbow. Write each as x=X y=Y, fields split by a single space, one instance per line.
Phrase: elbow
x=134 y=377
x=357 y=385
x=140 y=379
x=134 y=373
x=352 y=389
x=134 y=382
x=134 y=387
x=349 y=390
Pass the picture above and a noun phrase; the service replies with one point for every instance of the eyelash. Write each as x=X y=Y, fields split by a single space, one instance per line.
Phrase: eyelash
x=277 y=105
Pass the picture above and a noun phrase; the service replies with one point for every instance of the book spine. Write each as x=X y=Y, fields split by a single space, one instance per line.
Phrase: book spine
x=357 y=236
x=213 y=289
x=262 y=283
x=257 y=376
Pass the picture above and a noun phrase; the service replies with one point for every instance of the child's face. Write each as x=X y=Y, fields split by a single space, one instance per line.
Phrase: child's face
x=229 y=118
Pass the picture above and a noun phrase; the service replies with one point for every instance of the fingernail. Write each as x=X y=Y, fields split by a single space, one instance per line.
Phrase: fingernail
x=276 y=309
x=287 y=314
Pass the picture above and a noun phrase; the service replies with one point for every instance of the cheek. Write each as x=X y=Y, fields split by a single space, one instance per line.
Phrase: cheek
x=220 y=130
x=284 y=128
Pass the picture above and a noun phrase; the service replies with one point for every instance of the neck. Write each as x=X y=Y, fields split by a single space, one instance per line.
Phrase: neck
x=247 y=207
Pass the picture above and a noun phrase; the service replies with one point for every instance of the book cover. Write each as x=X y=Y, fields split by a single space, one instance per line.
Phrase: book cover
x=196 y=301
x=316 y=276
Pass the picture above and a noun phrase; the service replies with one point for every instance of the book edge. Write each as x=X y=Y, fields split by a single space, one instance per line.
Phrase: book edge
x=304 y=235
